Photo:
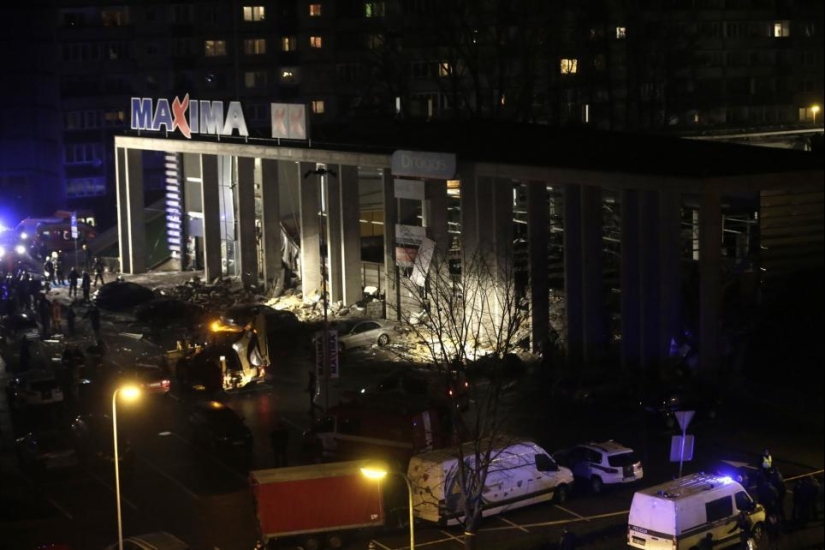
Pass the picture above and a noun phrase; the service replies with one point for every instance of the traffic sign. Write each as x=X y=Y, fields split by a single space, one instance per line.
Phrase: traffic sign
x=332 y=338
x=678 y=451
x=684 y=418
x=74 y=225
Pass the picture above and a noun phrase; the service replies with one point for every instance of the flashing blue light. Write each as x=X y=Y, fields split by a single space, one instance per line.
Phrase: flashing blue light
x=24 y=235
x=725 y=480
x=2 y=251
x=20 y=249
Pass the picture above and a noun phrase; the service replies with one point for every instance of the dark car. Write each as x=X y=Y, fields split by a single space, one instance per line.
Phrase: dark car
x=122 y=295
x=151 y=380
x=440 y=387
x=46 y=451
x=220 y=429
x=17 y=327
x=93 y=435
x=661 y=401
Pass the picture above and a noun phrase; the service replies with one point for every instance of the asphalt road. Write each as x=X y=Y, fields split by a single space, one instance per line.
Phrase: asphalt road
x=179 y=487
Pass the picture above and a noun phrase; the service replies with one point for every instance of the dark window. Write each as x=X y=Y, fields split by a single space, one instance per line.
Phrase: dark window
x=624 y=459
x=718 y=509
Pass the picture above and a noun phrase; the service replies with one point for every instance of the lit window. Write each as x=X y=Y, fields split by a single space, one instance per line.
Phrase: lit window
x=115 y=118
x=445 y=69
x=318 y=107
x=781 y=29
x=214 y=48
x=254 y=46
x=315 y=42
x=289 y=44
x=254 y=13
x=315 y=10
x=375 y=9
x=569 y=66
x=255 y=79
x=621 y=33
x=114 y=18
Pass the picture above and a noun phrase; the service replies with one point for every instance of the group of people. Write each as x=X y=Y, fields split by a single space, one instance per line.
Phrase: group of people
x=53 y=271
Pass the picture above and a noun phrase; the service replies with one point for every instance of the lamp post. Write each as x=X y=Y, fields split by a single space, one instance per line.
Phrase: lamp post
x=815 y=110
x=130 y=393
x=378 y=472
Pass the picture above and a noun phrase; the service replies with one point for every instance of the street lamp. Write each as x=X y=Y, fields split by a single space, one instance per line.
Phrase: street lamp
x=815 y=110
x=130 y=393
x=378 y=472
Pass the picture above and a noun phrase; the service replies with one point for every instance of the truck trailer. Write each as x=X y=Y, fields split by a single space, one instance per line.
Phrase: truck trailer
x=317 y=505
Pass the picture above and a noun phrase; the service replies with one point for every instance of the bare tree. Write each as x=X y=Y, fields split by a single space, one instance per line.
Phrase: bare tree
x=470 y=321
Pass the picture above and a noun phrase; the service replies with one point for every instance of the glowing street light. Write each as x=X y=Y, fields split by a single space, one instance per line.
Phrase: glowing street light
x=378 y=471
x=129 y=393
x=815 y=110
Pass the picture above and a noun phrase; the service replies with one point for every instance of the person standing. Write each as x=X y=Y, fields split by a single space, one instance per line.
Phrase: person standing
x=743 y=525
x=773 y=531
x=766 y=463
x=94 y=318
x=312 y=389
x=59 y=273
x=97 y=268
x=86 y=285
x=567 y=540
x=44 y=310
x=73 y=277
x=48 y=269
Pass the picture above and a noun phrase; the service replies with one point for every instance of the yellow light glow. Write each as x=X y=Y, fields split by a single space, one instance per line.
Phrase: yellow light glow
x=373 y=474
x=815 y=109
x=129 y=393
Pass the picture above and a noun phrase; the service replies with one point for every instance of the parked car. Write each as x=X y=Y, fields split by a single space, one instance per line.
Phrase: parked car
x=46 y=450
x=151 y=380
x=17 y=327
x=441 y=387
x=34 y=387
x=600 y=464
x=122 y=295
x=220 y=429
x=367 y=333
x=160 y=540
x=92 y=435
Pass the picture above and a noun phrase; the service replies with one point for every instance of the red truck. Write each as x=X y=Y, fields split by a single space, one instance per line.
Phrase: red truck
x=317 y=505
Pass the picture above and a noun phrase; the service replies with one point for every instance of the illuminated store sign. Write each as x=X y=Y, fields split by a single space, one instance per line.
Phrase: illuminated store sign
x=189 y=116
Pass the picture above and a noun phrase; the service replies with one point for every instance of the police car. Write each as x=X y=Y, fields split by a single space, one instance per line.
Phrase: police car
x=600 y=464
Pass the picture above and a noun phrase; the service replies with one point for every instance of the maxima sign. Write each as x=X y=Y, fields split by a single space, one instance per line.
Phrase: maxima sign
x=423 y=165
x=190 y=116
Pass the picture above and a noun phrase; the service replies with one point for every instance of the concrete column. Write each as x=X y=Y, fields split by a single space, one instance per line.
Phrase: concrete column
x=573 y=275
x=502 y=215
x=469 y=214
x=311 y=280
x=392 y=296
x=593 y=293
x=129 y=174
x=211 y=217
x=332 y=235
x=631 y=314
x=246 y=221
x=271 y=224
x=649 y=278
x=350 y=234
x=435 y=219
x=192 y=182
x=710 y=285
x=537 y=236
x=670 y=273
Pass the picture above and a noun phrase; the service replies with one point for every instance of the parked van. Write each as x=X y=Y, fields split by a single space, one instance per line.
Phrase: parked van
x=678 y=514
x=520 y=474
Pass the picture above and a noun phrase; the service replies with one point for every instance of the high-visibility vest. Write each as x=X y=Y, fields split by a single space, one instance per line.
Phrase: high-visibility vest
x=767 y=461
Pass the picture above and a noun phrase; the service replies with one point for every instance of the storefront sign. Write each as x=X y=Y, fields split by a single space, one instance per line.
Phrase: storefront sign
x=188 y=116
x=419 y=164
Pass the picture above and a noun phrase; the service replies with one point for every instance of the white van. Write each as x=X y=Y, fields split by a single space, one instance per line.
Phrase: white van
x=520 y=474
x=678 y=514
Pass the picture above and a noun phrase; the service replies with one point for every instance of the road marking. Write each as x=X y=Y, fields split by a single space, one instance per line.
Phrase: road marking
x=562 y=521
x=112 y=489
x=210 y=457
x=450 y=536
x=62 y=510
x=517 y=526
x=170 y=478
x=571 y=512
x=376 y=543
